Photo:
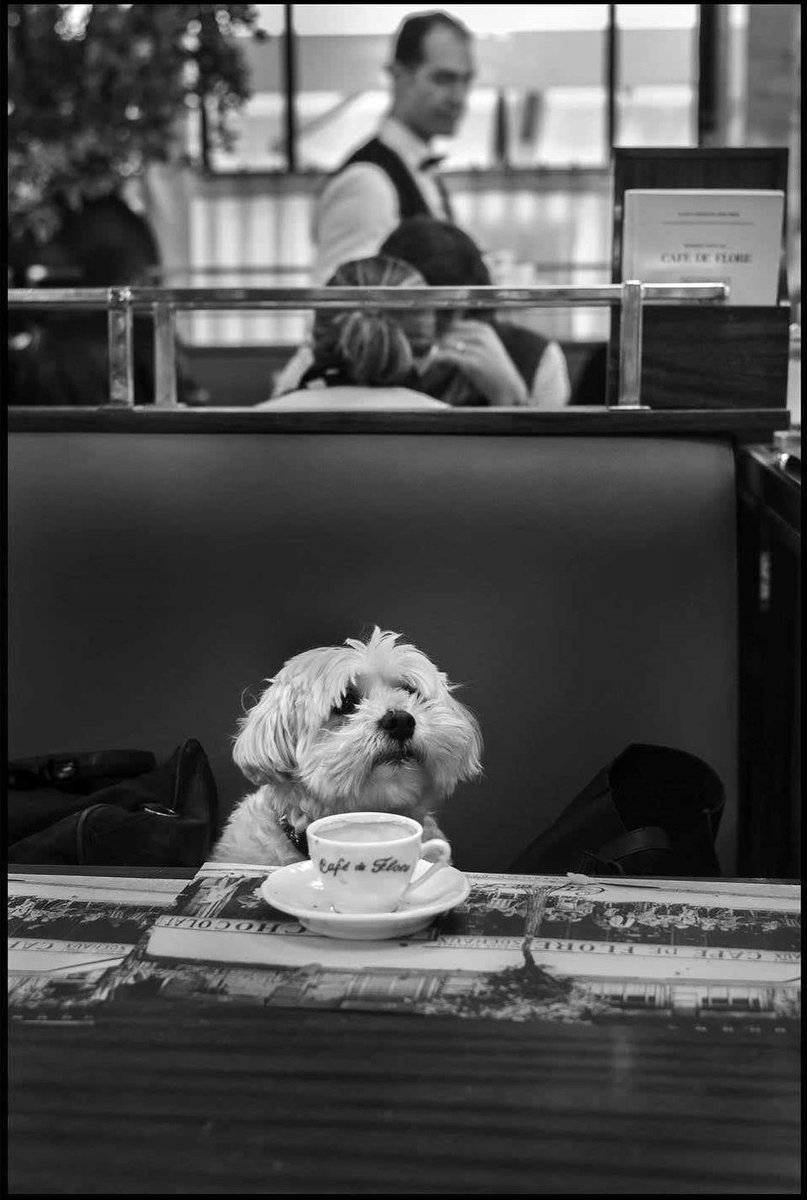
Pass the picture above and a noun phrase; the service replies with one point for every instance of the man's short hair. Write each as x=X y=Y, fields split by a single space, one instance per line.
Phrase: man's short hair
x=408 y=49
x=445 y=255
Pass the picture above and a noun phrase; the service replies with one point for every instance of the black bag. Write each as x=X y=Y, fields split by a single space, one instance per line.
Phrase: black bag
x=112 y=808
x=652 y=810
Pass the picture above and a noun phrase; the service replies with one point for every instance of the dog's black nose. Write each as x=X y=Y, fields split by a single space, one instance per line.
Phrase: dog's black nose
x=398 y=724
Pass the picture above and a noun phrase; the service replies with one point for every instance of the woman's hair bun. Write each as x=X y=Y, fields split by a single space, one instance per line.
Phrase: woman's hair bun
x=372 y=346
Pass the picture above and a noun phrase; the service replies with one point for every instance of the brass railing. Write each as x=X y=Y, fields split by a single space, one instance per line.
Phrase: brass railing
x=121 y=303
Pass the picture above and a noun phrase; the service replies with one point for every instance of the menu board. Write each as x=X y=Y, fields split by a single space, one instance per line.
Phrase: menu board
x=691 y=235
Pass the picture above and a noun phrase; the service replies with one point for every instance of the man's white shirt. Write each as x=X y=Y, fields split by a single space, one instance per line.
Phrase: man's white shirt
x=358 y=208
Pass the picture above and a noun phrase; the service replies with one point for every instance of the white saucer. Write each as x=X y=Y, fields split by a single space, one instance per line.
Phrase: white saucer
x=296 y=890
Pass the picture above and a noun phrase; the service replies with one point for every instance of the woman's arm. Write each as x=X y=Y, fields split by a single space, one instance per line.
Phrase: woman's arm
x=477 y=350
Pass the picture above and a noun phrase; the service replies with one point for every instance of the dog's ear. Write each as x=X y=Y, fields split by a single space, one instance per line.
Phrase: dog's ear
x=265 y=748
x=472 y=764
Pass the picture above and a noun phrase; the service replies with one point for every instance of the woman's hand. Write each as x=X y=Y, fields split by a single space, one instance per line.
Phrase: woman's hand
x=477 y=350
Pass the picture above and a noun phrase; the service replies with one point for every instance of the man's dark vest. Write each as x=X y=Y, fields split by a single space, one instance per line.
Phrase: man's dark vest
x=411 y=201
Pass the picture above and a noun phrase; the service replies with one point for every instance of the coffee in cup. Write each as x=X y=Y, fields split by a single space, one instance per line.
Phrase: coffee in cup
x=365 y=860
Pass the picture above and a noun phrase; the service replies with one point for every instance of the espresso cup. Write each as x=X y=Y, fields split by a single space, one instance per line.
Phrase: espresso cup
x=365 y=860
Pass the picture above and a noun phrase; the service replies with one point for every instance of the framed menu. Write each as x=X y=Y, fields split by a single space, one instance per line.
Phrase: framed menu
x=705 y=235
x=731 y=355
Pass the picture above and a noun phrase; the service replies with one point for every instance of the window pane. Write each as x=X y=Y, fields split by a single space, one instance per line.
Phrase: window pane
x=536 y=236
x=481 y=18
x=259 y=128
x=657 y=116
x=657 y=96
x=542 y=65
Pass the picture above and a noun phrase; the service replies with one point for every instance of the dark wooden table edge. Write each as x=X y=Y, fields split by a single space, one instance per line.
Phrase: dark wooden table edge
x=761 y=478
x=117 y=872
x=745 y=424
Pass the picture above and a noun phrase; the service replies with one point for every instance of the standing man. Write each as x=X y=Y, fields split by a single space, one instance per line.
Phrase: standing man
x=393 y=175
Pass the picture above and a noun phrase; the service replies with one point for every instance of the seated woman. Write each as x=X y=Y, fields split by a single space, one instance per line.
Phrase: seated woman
x=365 y=358
x=483 y=359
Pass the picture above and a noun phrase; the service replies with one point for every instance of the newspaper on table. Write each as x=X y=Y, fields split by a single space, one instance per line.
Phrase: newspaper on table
x=564 y=948
x=65 y=932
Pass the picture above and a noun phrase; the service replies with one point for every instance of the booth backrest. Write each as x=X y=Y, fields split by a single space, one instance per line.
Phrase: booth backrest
x=581 y=589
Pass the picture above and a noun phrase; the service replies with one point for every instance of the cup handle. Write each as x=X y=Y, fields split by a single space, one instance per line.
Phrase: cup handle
x=440 y=851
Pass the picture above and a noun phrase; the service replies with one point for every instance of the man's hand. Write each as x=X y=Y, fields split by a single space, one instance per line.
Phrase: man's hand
x=477 y=350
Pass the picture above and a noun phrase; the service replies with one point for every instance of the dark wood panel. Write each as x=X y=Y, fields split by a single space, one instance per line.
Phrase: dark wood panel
x=715 y=358
x=729 y=357
x=779 y=491
x=160 y=1099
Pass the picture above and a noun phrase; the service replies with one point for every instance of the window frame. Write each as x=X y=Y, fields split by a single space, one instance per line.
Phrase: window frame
x=705 y=85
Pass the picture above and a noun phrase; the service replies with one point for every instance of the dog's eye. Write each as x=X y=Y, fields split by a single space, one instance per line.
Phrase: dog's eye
x=349 y=703
x=407 y=687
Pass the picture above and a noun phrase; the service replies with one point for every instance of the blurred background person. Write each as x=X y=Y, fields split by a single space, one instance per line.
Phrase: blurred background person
x=482 y=358
x=366 y=358
x=61 y=359
x=393 y=175
x=97 y=100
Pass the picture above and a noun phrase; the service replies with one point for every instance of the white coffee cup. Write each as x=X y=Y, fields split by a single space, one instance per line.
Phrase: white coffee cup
x=365 y=860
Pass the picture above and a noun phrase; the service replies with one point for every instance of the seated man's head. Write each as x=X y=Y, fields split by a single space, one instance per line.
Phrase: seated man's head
x=373 y=347
x=443 y=254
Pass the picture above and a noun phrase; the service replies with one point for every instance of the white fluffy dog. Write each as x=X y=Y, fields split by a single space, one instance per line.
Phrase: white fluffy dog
x=368 y=726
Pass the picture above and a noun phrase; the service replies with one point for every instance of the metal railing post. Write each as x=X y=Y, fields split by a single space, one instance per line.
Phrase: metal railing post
x=165 y=362
x=119 y=326
x=630 y=347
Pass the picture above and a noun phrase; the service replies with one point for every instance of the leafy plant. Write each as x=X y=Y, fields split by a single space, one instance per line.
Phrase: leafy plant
x=98 y=91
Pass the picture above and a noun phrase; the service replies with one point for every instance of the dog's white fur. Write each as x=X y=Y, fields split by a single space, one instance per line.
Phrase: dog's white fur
x=311 y=760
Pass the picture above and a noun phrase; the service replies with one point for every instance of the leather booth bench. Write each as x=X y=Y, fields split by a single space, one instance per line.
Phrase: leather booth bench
x=582 y=589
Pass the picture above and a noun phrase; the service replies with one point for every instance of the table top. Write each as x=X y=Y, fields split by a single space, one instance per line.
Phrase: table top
x=323 y=1081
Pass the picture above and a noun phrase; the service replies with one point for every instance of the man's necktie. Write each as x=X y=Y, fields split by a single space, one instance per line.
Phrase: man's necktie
x=430 y=164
